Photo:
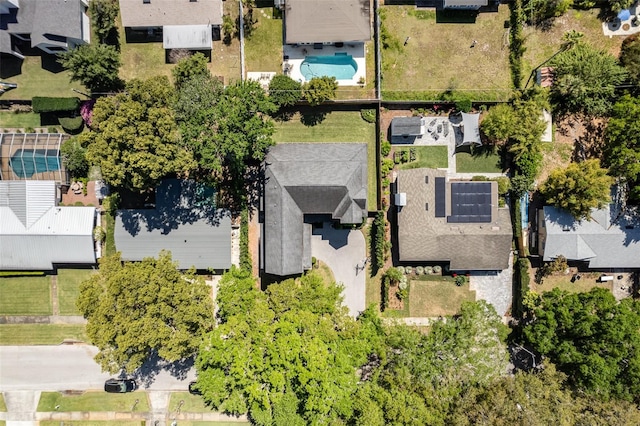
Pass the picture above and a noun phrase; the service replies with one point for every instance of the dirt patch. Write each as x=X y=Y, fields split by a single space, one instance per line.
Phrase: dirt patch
x=394 y=301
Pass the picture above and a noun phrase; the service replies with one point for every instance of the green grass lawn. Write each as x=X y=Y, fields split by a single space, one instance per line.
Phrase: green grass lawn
x=192 y=403
x=263 y=49
x=438 y=56
x=34 y=80
x=437 y=298
x=94 y=401
x=467 y=163
x=25 y=296
x=40 y=334
x=543 y=44
x=69 y=281
x=432 y=157
x=109 y=227
x=337 y=126
x=563 y=282
x=22 y=120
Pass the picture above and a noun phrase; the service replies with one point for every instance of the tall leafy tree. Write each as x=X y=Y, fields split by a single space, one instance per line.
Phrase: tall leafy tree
x=319 y=90
x=630 y=57
x=618 y=5
x=138 y=310
x=287 y=356
x=622 y=150
x=187 y=68
x=284 y=91
x=498 y=123
x=104 y=15
x=585 y=80
x=94 y=65
x=578 y=188
x=134 y=138
x=74 y=157
x=590 y=337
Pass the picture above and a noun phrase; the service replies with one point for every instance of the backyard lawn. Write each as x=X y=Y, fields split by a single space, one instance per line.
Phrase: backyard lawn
x=437 y=298
x=69 y=281
x=263 y=49
x=34 y=80
x=467 y=163
x=337 y=126
x=40 y=334
x=438 y=57
x=22 y=120
x=25 y=296
x=94 y=401
x=432 y=157
x=191 y=403
x=563 y=282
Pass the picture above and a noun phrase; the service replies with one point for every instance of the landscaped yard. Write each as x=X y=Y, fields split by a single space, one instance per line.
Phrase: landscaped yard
x=34 y=80
x=432 y=157
x=22 y=120
x=69 y=281
x=25 y=296
x=441 y=297
x=191 y=403
x=438 y=57
x=263 y=49
x=586 y=282
x=337 y=126
x=467 y=163
x=40 y=334
x=94 y=401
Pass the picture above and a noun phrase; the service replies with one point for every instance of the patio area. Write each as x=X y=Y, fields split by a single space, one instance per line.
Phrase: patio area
x=627 y=22
x=296 y=55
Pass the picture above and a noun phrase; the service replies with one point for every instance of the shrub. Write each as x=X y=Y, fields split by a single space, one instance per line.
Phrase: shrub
x=368 y=115
x=401 y=269
x=419 y=270
x=386 y=166
x=394 y=275
x=86 y=111
x=29 y=130
x=284 y=91
x=99 y=234
x=428 y=270
x=408 y=270
x=53 y=130
x=245 y=256
x=314 y=262
x=437 y=269
x=385 y=147
x=72 y=125
x=384 y=293
x=44 y=104
x=378 y=242
x=464 y=105
x=74 y=157
x=460 y=280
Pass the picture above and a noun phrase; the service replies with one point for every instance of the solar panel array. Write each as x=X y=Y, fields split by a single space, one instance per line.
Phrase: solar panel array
x=441 y=195
x=470 y=202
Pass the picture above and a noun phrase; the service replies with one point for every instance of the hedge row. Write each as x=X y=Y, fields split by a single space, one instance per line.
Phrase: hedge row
x=43 y=104
x=378 y=241
x=521 y=284
x=245 y=256
x=71 y=125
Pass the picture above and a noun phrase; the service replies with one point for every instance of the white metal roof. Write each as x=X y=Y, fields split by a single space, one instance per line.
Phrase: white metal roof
x=196 y=37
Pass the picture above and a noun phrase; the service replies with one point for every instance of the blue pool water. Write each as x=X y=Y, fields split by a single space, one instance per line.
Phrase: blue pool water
x=341 y=66
x=27 y=162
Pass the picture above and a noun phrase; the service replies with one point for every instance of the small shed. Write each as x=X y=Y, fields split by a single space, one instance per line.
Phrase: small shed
x=407 y=126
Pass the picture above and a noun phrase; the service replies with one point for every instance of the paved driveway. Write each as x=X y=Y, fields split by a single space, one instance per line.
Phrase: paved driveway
x=494 y=287
x=342 y=250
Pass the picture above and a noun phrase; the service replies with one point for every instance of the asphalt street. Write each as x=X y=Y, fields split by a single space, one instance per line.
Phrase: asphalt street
x=71 y=367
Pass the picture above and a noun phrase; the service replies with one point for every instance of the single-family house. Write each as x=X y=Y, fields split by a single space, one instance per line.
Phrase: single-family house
x=451 y=221
x=306 y=183
x=610 y=239
x=327 y=21
x=52 y=26
x=180 y=24
x=185 y=221
x=36 y=234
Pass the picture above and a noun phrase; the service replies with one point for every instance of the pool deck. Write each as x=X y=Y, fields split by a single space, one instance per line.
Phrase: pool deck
x=295 y=56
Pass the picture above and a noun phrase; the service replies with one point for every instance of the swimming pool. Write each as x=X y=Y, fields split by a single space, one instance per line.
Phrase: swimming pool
x=342 y=66
x=27 y=162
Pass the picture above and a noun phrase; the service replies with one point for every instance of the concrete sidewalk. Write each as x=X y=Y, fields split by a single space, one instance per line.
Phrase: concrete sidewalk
x=42 y=319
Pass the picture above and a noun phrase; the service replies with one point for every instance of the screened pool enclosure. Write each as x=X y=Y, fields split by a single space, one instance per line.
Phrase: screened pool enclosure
x=32 y=156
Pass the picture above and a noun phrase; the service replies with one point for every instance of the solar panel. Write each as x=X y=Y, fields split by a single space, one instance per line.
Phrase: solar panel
x=470 y=202
x=441 y=193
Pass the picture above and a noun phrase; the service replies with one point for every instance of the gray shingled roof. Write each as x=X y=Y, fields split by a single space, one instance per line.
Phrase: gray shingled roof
x=406 y=126
x=43 y=19
x=309 y=178
x=327 y=21
x=158 y=13
x=184 y=222
x=608 y=240
x=423 y=237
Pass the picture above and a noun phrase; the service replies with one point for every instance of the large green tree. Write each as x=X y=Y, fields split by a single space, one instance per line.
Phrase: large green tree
x=138 y=310
x=630 y=57
x=104 y=15
x=591 y=337
x=287 y=356
x=578 y=188
x=622 y=150
x=187 y=68
x=75 y=158
x=284 y=91
x=94 y=65
x=134 y=138
x=585 y=80
x=319 y=90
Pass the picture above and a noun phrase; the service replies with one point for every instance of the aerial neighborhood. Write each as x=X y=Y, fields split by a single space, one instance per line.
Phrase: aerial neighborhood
x=344 y=212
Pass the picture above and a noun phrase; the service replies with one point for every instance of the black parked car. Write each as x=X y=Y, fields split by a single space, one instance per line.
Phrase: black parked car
x=120 y=385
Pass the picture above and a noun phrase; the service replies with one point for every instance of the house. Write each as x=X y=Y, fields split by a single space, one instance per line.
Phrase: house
x=327 y=21
x=610 y=239
x=36 y=234
x=307 y=183
x=32 y=156
x=180 y=24
x=52 y=26
x=459 y=222
x=185 y=221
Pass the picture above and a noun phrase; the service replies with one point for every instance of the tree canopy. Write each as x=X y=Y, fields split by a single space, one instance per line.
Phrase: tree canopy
x=74 y=157
x=187 y=68
x=585 y=80
x=630 y=57
x=578 y=188
x=498 y=123
x=94 y=65
x=622 y=150
x=134 y=138
x=284 y=91
x=319 y=90
x=287 y=356
x=104 y=15
x=137 y=310
x=590 y=337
